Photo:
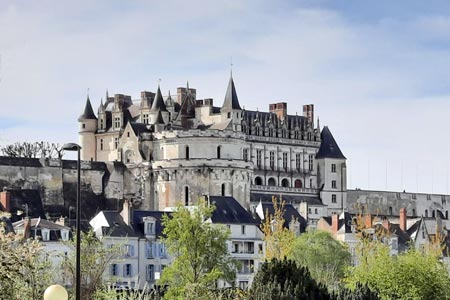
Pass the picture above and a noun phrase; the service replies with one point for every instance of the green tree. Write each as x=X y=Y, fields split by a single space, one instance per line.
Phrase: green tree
x=200 y=253
x=412 y=275
x=24 y=269
x=284 y=279
x=360 y=292
x=95 y=259
x=325 y=258
x=278 y=239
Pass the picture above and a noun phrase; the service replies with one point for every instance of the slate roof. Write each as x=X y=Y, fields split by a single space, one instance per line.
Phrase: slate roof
x=229 y=211
x=138 y=128
x=290 y=213
x=328 y=147
x=138 y=223
x=231 y=99
x=88 y=113
x=37 y=223
x=117 y=226
x=158 y=103
x=288 y=198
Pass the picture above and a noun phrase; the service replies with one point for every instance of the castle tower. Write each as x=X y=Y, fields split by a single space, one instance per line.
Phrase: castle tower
x=231 y=108
x=86 y=134
x=331 y=173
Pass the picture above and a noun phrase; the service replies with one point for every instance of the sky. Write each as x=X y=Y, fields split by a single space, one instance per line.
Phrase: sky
x=378 y=72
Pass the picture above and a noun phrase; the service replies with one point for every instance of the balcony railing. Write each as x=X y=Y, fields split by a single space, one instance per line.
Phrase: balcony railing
x=281 y=189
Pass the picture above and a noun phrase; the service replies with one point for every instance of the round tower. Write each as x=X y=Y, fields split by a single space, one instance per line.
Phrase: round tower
x=87 y=127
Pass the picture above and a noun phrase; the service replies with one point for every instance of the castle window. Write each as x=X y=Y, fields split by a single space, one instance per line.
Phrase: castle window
x=433 y=213
x=117 y=122
x=258 y=158
x=83 y=125
x=296 y=134
x=283 y=133
x=187 y=152
x=333 y=168
x=390 y=210
x=271 y=181
x=333 y=184
x=309 y=136
x=428 y=197
x=298 y=161
x=145 y=118
x=223 y=189
x=128 y=134
x=311 y=162
x=272 y=160
x=414 y=212
x=229 y=115
x=443 y=200
x=116 y=142
x=218 y=151
x=426 y=213
x=298 y=184
x=257 y=130
x=270 y=131
x=285 y=161
x=285 y=183
x=258 y=181
x=311 y=183
x=101 y=123
x=245 y=154
x=101 y=144
x=186 y=195
x=333 y=198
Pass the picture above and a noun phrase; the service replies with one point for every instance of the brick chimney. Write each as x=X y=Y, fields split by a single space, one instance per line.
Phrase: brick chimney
x=403 y=218
x=334 y=223
x=280 y=109
x=368 y=221
x=308 y=113
x=5 y=200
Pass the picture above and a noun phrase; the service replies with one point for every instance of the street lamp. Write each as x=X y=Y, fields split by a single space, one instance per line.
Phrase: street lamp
x=55 y=292
x=76 y=147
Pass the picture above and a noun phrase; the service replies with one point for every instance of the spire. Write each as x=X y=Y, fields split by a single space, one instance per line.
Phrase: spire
x=159 y=119
x=231 y=99
x=100 y=108
x=88 y=113
x=158 y=103
x=328 y=147
x=107 y=96
x=318 y=124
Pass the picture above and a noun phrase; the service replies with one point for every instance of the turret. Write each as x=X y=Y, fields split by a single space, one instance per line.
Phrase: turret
x=331 y=173
x=87 y=128
x=231 y=109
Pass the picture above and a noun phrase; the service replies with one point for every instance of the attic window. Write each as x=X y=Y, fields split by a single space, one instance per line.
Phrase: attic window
x=229 y=115
x=128 y=134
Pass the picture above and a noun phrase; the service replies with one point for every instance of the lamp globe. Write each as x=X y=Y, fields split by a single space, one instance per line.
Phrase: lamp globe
x=56 y=292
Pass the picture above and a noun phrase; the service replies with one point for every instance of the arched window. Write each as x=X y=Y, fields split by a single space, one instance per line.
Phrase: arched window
x=285 y=183
x=271 y=181
x=426 y=213
x=187 y=152
x=298 y=183
x=390 y=210
x=218 y=151
x=258 y=181
x=223 y=189
x=414 y=212
x=433 y=214
x=186 y=195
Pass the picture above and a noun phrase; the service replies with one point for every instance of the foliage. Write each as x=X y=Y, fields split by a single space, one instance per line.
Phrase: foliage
x=24 y=270
x=284 y=279
x=278 y=239
x=110 y=293
x=325 y=258
x=200 y=253
x=412 y=275
x=361 y=292
x=33 y=150
x=95 y=259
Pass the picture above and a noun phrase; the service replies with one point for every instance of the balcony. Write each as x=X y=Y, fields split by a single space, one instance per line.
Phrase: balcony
x=280 y=189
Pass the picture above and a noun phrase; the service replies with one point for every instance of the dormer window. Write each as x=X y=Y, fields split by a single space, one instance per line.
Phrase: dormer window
x=65 y=235
x=149 y=226
x=117 y=122
x=45 y=235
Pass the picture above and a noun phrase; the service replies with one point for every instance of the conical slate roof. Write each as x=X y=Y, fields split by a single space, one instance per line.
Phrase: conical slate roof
x=158 y=103
x=88 y=113
x=159 y=119
x=328 y=147
x=231 y=99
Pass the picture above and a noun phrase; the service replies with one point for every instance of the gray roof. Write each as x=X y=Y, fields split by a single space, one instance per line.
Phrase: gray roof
x=229 y=211
x=88 y=113
x=231 y=99
x=117 y=226
x=288 y=198
x=138 y=223
x=158 y=103
x=328 y=147
x=289 y=214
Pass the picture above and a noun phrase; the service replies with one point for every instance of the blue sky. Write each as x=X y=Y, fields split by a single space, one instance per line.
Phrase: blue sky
x=377 y=71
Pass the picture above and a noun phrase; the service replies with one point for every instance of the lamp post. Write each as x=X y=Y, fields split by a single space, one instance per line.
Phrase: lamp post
x=76 y=147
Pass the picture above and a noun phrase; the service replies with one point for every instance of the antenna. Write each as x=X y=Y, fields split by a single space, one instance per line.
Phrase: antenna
x=231 y=66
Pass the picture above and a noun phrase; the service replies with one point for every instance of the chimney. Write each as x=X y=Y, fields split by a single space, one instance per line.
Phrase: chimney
x=308 y=113
x=5 y=200
x=126 y=212
x=403 y=218
x=334 y=224
x=280 y=109
x=26 y=228
x=386 y=223
x=368 y=221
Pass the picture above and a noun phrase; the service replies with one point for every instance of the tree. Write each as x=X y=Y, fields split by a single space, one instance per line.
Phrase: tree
x=33 y=150
x=200 y=253
x=361 y=292
x=278 y=239
x=284 y=279
x=411 y=275
x=24 y=271
x=95 y=259
x=325 y=258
